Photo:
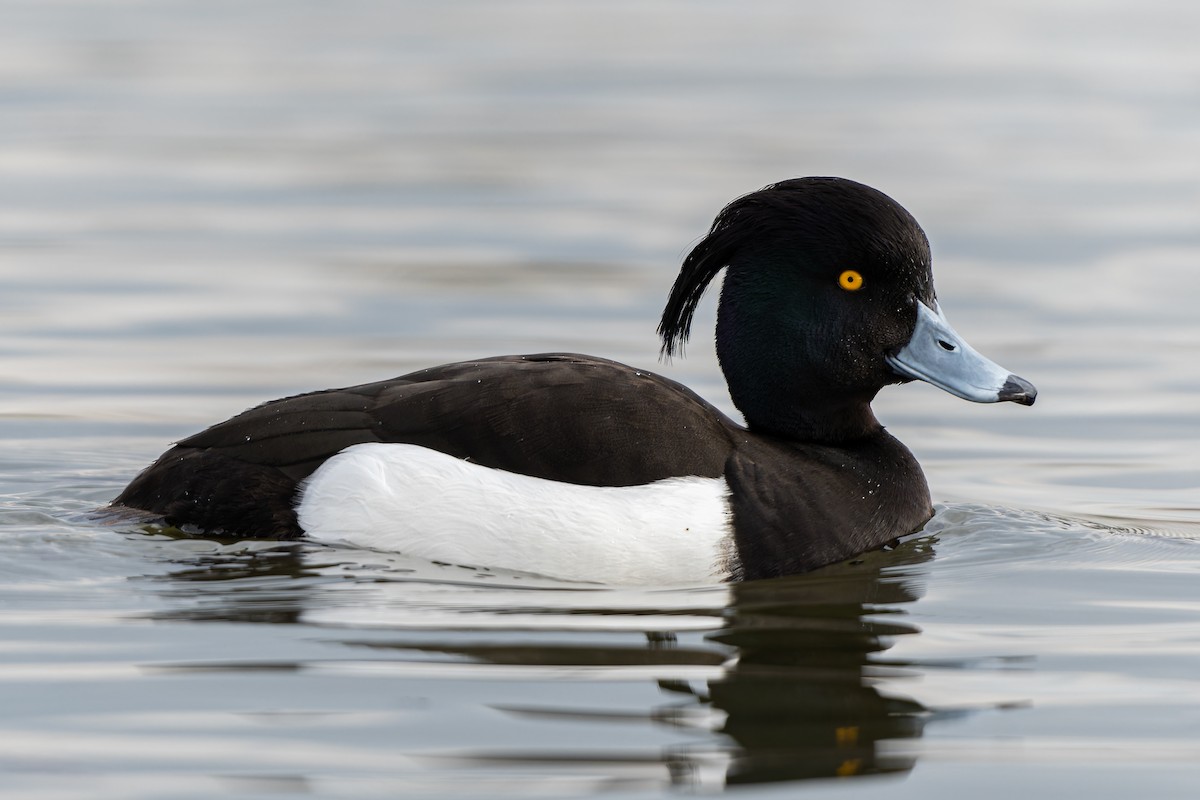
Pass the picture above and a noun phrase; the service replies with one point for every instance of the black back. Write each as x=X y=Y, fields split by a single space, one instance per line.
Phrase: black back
x=565 y=417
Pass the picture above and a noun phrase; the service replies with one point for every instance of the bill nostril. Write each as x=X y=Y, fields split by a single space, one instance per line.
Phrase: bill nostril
x=948 y=346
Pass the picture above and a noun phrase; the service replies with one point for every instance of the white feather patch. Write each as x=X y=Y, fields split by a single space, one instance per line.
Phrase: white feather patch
x=421 y=502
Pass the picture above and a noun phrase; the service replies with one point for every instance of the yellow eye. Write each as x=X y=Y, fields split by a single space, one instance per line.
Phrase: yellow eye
x=850 y=280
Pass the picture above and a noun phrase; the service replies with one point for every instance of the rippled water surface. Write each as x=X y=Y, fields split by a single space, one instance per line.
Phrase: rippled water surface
x=206 y=205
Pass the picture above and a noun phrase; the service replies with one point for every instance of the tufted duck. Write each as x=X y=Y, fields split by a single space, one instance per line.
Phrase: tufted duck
x=586 y=469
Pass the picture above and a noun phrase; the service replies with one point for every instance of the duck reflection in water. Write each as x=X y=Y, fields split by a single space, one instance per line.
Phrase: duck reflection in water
x=800 y=700
x=787 y=687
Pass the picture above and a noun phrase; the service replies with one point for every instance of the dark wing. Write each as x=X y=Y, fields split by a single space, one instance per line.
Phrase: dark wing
x=568 y=417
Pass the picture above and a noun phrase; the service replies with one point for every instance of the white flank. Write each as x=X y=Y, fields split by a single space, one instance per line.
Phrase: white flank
x=420 y=502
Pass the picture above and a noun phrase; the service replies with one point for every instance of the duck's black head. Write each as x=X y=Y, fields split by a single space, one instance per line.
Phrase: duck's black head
x=822 y=307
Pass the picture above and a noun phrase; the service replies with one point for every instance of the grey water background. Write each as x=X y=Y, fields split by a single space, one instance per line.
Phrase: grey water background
x=204 y=205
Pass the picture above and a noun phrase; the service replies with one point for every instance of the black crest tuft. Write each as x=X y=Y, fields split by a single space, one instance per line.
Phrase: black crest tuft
x=738 y=223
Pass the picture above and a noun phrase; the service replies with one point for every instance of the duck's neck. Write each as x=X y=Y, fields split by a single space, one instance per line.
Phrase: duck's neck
x=803 y=416
x=780 y=380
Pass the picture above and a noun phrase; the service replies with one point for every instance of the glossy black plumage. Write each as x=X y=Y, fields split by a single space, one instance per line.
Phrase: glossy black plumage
x=813 y=477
